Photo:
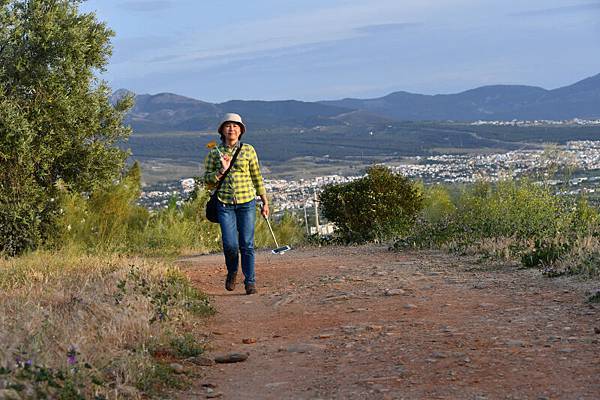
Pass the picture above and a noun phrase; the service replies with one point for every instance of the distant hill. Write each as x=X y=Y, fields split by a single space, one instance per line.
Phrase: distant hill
x=502 y=102
x=167 y=112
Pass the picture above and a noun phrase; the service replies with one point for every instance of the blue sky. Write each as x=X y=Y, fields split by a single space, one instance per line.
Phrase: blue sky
x=330 y=49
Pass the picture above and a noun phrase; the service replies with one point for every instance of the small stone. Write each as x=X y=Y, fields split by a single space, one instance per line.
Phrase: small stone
x=231 y=358
x=249 y=340
x=324 y=336
x=275 y=384
x=409 y=306
x=214 y=395
x=202 y=361
x=394 y=292
x=209 y=385
x=349 y=329
x=374 y=327
x=515 y=343
x=177 y=368
x=566 y=350
x=438 y=355
x=303 y=348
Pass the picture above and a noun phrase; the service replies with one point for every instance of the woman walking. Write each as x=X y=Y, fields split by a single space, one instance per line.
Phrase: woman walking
x=237 y=198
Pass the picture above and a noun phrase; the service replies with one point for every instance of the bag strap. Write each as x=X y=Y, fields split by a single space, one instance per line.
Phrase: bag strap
x=230 y=165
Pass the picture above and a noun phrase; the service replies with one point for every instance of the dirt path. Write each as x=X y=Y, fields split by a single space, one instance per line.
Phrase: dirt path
x=367 y=323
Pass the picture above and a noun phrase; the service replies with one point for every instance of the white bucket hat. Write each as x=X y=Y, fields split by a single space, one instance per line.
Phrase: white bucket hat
x=232 y=117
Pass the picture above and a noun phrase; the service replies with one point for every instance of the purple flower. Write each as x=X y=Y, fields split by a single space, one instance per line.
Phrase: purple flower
x=72 y=355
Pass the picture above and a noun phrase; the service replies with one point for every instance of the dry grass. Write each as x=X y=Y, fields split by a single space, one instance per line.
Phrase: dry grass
x=501 y=248
x=583 y=260
x=110 y=312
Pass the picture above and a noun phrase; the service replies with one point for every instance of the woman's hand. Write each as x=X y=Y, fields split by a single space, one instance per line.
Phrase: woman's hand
x=264 y=210
x=225 y=162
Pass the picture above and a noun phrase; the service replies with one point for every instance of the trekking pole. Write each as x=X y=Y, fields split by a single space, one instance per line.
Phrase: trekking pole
x=277 y=250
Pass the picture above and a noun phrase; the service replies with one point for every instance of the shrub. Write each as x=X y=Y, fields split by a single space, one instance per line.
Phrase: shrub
x=511 y=208
x=376 y=207
x=105 y=220
x=437 y=204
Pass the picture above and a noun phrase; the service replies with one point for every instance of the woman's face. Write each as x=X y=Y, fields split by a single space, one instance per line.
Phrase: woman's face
x=231 y=132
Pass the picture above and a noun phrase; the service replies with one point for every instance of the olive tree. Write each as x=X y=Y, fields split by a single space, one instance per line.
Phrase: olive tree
x=57 y=125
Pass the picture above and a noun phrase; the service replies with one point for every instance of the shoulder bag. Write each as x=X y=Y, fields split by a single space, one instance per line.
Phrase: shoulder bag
x=213 y=201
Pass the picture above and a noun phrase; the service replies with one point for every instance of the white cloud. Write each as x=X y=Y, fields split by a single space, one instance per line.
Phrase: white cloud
x=308 y=28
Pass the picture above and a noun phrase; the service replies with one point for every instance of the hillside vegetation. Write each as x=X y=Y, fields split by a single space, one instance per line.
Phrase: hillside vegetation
x=512 y=220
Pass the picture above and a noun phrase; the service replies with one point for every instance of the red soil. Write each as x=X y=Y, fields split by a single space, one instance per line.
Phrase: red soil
x=367 y=323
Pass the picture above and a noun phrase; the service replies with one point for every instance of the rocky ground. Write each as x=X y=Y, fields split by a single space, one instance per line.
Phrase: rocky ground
x=368 y=323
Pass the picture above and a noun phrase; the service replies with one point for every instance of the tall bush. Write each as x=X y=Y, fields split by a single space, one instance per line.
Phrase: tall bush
x=376 y=207
x=512 y=208
x=56 y=121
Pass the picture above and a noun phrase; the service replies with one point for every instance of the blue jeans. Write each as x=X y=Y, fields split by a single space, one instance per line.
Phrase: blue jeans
x=237 y=232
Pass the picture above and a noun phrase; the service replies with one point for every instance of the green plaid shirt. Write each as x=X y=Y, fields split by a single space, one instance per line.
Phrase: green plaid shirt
x=243 y=182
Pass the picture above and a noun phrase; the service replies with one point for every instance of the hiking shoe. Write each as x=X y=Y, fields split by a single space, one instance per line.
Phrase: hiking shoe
x=251 y=288
x=230 y=281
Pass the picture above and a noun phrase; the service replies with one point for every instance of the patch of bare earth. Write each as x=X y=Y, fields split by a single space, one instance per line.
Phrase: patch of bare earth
x=365 y=322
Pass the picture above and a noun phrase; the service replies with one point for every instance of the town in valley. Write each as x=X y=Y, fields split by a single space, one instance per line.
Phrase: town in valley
x=572 y=169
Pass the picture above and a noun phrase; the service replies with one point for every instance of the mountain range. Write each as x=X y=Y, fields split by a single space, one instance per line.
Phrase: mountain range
x=167 y=112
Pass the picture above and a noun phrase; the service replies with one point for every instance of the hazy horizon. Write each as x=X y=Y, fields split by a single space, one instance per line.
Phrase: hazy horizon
x=343 y=97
